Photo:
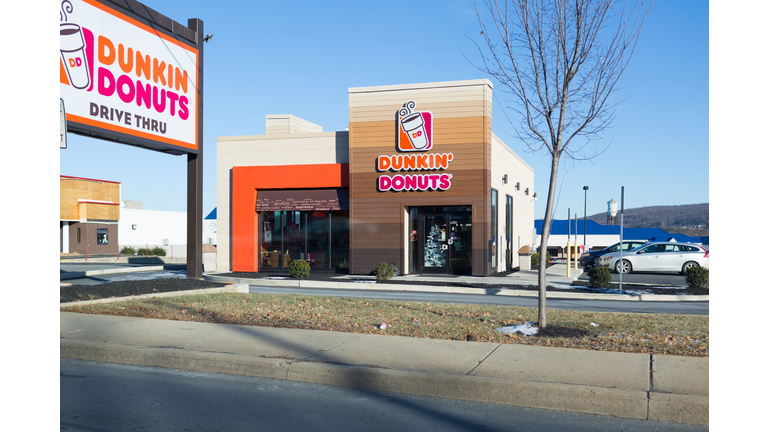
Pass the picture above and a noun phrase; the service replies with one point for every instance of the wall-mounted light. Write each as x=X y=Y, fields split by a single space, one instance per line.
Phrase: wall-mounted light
x=517 y=186
x=133 y=227
x=534 y=195
x=504 y=179
x=208 y=37
x=526 y=191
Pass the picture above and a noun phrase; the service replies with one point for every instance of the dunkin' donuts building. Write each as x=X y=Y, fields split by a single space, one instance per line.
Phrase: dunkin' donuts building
x=418 y=180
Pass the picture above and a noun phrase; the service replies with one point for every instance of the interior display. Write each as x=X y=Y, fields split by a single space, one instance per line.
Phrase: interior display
x=434 y=254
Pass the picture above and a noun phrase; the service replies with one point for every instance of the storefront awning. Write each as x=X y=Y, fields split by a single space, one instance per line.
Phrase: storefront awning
x=302 y=200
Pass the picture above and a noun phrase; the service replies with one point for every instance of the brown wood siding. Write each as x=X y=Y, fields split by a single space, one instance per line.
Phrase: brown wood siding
x=377 y=218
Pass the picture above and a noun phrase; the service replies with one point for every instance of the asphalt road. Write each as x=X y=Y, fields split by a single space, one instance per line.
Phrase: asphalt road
x=652 y=278
x=110 y=397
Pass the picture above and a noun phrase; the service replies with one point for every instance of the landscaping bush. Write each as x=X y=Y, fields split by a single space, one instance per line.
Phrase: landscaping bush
x=127 y=250
x=697 y=277
x=535 y=258
x=384 y=271
x=298 y=269
x=599 y=277
x=157 y=251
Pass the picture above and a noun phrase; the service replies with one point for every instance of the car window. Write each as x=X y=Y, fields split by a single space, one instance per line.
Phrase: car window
x=672 y=248
x=627 y=246
x=654 y=248
x=613 y=248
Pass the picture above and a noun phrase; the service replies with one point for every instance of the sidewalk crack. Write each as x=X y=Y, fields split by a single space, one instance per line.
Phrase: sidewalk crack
x=483 y=359
x=331 y=347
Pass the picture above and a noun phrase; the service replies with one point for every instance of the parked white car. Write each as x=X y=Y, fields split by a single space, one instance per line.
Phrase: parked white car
x=658 y=256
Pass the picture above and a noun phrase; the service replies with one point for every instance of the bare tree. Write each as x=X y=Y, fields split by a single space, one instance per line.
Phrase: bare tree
x=558 y=61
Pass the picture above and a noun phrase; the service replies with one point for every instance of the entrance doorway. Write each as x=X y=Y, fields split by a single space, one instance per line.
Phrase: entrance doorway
x=445 y=240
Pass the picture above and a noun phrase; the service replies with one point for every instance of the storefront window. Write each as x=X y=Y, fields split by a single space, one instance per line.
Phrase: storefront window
x=509 y=234
x=319 y=237
x=339 y=239
x=101 y=236
x=494 y=227
x=413 y=241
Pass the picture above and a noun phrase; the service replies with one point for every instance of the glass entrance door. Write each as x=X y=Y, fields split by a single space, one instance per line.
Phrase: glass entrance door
x=435 y=244
x=446 y=242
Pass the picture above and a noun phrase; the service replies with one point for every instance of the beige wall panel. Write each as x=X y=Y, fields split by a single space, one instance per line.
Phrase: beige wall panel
x=435 y=95
x=439 y=111
x=72 y=190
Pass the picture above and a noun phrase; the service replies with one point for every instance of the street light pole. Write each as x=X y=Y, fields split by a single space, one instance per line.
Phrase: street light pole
x=586 y=188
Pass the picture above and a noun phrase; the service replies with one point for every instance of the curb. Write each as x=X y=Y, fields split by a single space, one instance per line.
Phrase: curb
x=75 y=275
x=689 y=409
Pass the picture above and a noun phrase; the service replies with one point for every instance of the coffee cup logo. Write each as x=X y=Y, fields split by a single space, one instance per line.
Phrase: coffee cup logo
x=414 y=128
x=72 y=46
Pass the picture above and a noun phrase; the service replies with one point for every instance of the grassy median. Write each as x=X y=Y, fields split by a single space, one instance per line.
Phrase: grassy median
x=686 y=335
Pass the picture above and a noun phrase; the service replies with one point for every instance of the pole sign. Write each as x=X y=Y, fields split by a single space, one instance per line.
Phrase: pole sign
x=127 y=80
x=414 y=134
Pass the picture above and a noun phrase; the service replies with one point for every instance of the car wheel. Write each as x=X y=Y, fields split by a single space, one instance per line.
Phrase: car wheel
x=595 y=262
x=688 y=265
x=623 y=267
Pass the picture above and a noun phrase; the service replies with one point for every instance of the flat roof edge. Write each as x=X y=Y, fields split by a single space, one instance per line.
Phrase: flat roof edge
x=416 y=86
x=282 y=136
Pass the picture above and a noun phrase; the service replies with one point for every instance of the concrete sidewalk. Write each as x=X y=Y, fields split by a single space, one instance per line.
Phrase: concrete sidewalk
x=654 y=387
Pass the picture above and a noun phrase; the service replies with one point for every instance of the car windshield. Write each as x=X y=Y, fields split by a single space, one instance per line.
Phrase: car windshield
x=636 y=248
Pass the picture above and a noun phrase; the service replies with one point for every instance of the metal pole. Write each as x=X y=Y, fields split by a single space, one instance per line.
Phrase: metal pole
x=575 y=240
x=195 y=174
x=621 y=239
x=586 y=188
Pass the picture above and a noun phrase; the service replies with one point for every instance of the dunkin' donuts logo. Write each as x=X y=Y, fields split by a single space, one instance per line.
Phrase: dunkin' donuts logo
x=414 y=129
x=414 y=135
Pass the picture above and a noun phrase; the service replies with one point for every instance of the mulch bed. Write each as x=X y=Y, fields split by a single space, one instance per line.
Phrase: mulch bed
x=75 y=293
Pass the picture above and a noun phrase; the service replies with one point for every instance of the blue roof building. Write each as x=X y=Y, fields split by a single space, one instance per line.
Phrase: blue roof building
x=600 y=236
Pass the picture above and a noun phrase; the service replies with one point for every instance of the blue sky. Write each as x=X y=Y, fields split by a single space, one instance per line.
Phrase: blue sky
x=300 y=58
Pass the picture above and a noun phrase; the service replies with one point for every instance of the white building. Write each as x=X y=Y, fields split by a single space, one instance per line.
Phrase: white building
x=141 y=228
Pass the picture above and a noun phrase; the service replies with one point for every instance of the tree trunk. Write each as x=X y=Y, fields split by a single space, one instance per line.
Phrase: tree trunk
x=545 y=228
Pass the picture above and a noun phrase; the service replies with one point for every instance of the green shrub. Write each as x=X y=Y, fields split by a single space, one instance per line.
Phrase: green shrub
x=157 y=251
x=127 y=250
x=298 y=269
x=535 y=258
x=599 y=277
x=697 y=277
x=384 y=272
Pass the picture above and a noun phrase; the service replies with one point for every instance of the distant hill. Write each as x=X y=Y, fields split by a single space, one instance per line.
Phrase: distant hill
x=689 y=219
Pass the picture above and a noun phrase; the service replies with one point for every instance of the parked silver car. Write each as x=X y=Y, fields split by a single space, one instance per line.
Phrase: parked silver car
x=658 y=256
x=592 y=258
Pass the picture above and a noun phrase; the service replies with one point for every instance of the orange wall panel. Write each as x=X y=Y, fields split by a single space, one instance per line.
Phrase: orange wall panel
x=246 y=181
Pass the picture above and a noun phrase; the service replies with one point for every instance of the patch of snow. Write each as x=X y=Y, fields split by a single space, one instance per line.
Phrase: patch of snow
x=527 y=329
x=276 y=277
x=561 y=286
